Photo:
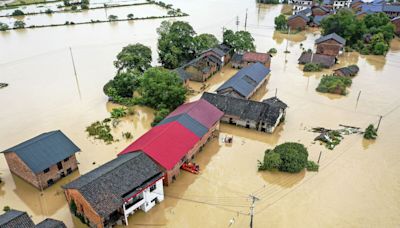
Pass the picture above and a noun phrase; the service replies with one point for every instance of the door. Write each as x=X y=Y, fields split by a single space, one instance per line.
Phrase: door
x=59 y=166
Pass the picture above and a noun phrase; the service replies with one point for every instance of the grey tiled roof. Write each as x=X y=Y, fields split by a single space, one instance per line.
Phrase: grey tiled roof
x=324 y=60
x=237 y=58
x=16 y=219
x=245 y=109
x=106 y=187
x=247 y=79
x=349 y=71
x=333 y=36
x=50 y=223
x=45 y=150
x=307 y=19
x=391 y=8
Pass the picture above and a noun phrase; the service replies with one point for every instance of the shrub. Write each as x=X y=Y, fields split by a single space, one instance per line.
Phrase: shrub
x=159 y=116
x=334 y=84
x=49 y=11
x=312 y=166
x=312 y=67
x=370 y=132
x=127 y=135
x=18 y=12
x=118 y=113
x=287 y=157
x=101 y=130
x=19 y=24
x=130 y=16
x=3 y=26
x=112 y=17
x=74 y=8
x=84 y=6
x=272 y=51
x=6 y=208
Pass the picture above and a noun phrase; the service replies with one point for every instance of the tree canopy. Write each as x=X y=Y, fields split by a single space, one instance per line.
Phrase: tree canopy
x=281 y=22
x=161 y=88
x=205 y=41
x=240 y=41
x=123 y=85
x=134 y=57
x=288 y=157
x=175 y=43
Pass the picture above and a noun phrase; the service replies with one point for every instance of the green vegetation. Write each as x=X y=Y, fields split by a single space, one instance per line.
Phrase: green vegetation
x=123 y=85
x=312 y=166
x=281 y=23
x=370 y=132
x=369 y=35
x=134 y=57
x=118 y=112
x=18 y=12
x=159 y=116
x=268 y=1
x=130 y=16
x=66 y=3
x=312 y=67
x=334 y=84
x=85 y=4
x=127 y=135
x=19 y=24
x=204 y=41
x=240 y=41
x=272 y=51
x=6 y=208
x=74 y=7
x=287 y=157
x=3 y=26
x=101 y=130
x=112 y=17
x=49 y=11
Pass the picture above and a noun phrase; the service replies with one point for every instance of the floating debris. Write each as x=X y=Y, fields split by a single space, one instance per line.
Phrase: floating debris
x=3 y=85
x=332 y=138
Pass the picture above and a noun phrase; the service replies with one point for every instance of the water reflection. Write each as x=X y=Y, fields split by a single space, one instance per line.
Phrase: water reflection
x=282 y=179
x=378 y=62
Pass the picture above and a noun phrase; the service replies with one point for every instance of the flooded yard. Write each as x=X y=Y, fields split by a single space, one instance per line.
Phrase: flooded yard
x=358 y=182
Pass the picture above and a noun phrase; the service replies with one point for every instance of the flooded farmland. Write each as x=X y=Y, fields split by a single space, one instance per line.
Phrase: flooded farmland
x=358 y=184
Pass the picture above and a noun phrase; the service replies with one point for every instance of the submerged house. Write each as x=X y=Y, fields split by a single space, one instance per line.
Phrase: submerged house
x=44 y=159
x=298 y=22
x=299 y=5
x=200 y=68
x=245 y=82
x=221 y=51
x=326 y=61
x=320 y=10
x=396 y=22
x=179 y=137
x=20 y=219
x=349 y=71
x=331 y=44
x=110 y=193
x=248 y=58
x=263 y=116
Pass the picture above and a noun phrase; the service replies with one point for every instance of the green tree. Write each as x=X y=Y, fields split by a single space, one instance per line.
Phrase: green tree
x=175 y=43
x=378 y=44
x=312 y=67
x=19 y=24
x=280 y=22
x=123 y=84
x=3 y=26
x=6 y=208
x=159 y=116
x=272 y=161
x=18 y=12
x=240 y=41
x=312 y=166
x=134 y=57
x=130 y=16
x=66 y=3
x=205 y=41
x=161 y=88
x=334 y=84
x=370 y=132
x=112 y=17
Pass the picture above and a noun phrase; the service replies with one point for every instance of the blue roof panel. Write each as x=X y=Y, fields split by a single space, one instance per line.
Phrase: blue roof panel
x=187 y=121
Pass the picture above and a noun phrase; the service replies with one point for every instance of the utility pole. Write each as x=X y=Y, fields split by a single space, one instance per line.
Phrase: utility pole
x=252 y=209
x=76 y=76
x=237 y=23
x=319 y=156
x=379 y=123
x=358 y=98
x=276 y=92
x=223 y=31
x=245 y=22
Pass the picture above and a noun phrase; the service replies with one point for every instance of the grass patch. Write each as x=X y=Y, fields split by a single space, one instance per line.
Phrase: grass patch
x=101 y=130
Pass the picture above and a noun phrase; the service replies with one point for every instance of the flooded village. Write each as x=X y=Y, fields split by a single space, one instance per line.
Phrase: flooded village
x=238 y=105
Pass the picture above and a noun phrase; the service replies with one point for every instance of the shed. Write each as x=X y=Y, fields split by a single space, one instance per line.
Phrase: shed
x=349 y=71
x=298 y=22
x=324 y=60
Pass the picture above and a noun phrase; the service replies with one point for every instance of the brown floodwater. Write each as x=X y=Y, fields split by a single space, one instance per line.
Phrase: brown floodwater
x=358 y=184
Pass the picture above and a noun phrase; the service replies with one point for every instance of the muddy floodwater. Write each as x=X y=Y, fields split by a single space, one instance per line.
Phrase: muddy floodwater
x=358 y=184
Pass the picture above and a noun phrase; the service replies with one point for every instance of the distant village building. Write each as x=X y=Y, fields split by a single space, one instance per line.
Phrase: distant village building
x=107 y=195
x=349 y=71
x=306 y=12
x=396 y=22
x=331 y=44
x=44 y=159
x=205 y=65
x=326 y=61
x=178 y=138
x=356 y=5
x=298 y=22
x=248 y=58
x=263 y=116
x=299 y=5
x=391 y=10
x=245 y=82
x=320 y=10
x=20 y=219
x=339 y=4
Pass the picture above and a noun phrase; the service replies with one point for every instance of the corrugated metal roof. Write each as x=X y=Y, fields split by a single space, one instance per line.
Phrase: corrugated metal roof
x=166 y=144
x=45 y=150
x=239 y=83
x=187 y=121
x=202 y=111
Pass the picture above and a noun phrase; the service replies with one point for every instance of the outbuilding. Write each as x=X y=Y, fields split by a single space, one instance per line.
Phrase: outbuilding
x=331 y=44
x=298 y=22
x=326 y=61
x=44 y=159
x=349 y=71
x=248 y=58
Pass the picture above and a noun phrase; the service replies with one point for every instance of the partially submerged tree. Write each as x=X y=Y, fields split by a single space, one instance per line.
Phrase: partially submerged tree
x=19 y=24
x=3 y=26
x=123 y=85
x=112 y=18
x=204 y=41
x=370 y=132
x=17 y=12
x=334 y=84
x=240 y=41
x=312 y=67
x=281 y=22
x=134 y=57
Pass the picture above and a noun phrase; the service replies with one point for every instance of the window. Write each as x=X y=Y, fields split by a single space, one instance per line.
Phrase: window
x=65 y=160
x=46 y=170
x=50 y=182
x=69 y=170
x=59 y=166
x=152 y=188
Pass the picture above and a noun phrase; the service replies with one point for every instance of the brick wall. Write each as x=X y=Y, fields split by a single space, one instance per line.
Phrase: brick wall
x=297 y=23
x=397 y=26
x=55 y=174
x=83 y=207
x=329 y=47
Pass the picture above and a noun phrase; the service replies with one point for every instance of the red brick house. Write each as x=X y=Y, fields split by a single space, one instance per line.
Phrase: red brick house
x=44 y=159
x=248 y=58
x=298 y=22
x=331 y=44
x=177 y=139
x=396 y=22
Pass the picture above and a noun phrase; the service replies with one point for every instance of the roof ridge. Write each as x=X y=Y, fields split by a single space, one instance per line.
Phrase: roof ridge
x=44 y=136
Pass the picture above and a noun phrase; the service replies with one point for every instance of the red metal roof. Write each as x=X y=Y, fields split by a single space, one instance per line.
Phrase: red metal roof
x=166 y=144
x=256 y=57
x=202 y=111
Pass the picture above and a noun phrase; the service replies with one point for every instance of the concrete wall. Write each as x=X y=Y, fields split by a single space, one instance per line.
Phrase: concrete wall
x=19 y=168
